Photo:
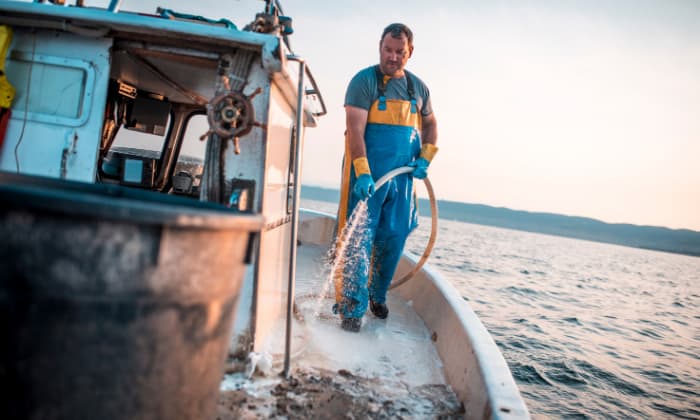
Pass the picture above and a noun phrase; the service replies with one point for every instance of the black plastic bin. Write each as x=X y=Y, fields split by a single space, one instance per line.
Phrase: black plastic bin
x=114 y=303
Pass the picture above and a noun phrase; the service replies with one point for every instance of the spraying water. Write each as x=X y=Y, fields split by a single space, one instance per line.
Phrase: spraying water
x=348 y=249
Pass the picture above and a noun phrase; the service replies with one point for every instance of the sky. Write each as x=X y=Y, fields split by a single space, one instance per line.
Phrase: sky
x=579 y=107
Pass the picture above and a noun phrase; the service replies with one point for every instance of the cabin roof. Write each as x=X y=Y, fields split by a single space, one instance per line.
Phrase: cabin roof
x=129 y=25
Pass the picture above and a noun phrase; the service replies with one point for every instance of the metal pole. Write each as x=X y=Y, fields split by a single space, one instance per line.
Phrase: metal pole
x=295 y=211
x=114 y=5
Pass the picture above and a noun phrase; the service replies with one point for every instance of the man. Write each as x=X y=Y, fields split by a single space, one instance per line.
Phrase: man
x=390 y=124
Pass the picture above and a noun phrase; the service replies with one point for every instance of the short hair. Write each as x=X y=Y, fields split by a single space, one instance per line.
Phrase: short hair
x=396 y=29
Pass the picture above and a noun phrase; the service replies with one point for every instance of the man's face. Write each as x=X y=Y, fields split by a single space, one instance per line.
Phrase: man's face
x=394 y=54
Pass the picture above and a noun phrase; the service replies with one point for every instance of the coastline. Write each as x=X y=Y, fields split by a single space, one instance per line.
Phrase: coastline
x=656 y=238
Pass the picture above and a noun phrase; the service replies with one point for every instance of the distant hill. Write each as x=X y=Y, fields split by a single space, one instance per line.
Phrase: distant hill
x=680 y=241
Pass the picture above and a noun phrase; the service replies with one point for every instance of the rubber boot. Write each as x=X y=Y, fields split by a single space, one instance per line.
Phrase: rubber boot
x=351 y=324
x=380 y=310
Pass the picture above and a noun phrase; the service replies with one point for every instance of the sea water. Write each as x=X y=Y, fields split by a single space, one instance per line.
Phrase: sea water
x=588 y=329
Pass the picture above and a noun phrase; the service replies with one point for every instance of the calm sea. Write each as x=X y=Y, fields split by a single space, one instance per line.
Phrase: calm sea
x=589 y=330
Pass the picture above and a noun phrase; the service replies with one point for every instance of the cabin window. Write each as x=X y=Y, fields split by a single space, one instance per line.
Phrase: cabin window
x=53 y=90
x=192 y=146
x=187 y=176
x=134 y=155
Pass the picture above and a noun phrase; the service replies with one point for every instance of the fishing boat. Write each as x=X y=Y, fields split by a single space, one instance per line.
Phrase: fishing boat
x=150 y=186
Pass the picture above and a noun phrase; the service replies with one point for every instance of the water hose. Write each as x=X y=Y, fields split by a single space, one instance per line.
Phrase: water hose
x=433 y=230
x=433 y=213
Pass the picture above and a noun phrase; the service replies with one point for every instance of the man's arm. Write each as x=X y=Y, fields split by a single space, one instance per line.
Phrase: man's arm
x=356 y=122
x=429 y=132
x=428 y=149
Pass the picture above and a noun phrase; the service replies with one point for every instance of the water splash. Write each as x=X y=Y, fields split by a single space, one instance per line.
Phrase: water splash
x=348 y=249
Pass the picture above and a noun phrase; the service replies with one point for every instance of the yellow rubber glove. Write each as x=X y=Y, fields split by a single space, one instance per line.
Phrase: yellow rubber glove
x=364 y=184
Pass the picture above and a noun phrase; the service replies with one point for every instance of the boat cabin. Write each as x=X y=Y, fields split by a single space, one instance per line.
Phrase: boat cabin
x=169 y=103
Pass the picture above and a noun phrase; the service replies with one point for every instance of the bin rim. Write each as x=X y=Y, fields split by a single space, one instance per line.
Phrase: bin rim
x=117 y=203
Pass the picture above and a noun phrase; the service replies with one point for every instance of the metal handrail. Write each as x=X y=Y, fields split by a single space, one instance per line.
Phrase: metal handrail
x=115 y=5
x=295 y=212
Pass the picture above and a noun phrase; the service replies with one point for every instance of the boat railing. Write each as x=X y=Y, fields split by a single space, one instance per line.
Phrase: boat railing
x=315 y=92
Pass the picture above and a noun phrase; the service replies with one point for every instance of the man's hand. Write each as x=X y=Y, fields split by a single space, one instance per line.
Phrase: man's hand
x=421 y=168
x=364 y=186
x=427 y=153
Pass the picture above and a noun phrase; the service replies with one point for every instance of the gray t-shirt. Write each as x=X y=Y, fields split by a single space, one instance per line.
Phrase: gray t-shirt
x=362 y=91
